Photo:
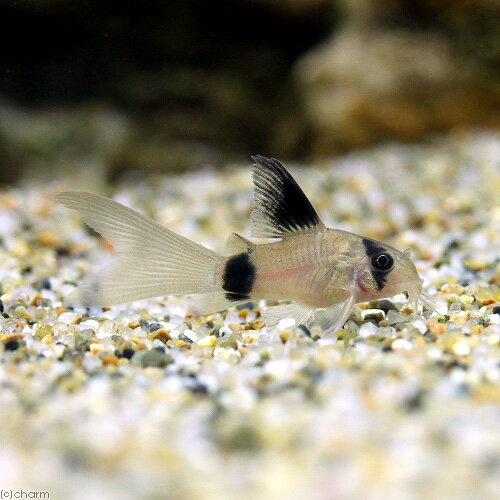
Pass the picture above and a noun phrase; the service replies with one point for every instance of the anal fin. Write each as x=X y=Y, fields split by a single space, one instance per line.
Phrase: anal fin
x=208 y=303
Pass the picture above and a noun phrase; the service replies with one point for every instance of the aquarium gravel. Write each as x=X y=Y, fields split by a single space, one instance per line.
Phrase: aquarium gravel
x=145 y=401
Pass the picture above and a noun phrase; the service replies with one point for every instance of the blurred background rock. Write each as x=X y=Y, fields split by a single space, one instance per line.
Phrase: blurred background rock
x=90 y=87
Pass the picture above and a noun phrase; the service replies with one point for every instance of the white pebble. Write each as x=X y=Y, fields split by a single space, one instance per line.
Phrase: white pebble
x=67 y=317
x=172 y=384
x=400 y=297
x=225 y=330
x=190 y=334
x=401 y=345
x=494 y=319
x=285 y=323
x=434 y=354
x=420 y=325
x=89 y=323
x=461 y=348
x=232 y=317
x=367 y=329
x=174 y=333
x=494 y=339
x=279 y=368
x=329 y=341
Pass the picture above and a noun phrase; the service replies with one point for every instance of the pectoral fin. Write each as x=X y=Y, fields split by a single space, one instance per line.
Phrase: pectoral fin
x=300 y=312
x=332 y=318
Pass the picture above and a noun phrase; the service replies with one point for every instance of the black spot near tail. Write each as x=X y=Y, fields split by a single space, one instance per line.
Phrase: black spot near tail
x=239 y=277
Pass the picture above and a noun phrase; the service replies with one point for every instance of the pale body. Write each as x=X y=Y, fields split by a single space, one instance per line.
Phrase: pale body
x=315 y=268
x=323 y=271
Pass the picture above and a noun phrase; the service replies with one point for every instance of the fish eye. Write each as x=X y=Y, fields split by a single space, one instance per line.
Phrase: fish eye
x=382 y=261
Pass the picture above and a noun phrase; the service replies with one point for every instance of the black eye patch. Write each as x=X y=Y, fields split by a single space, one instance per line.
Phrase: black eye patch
x=382 y=261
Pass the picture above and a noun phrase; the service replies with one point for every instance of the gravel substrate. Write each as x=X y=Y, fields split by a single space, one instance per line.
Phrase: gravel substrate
x=142 y=401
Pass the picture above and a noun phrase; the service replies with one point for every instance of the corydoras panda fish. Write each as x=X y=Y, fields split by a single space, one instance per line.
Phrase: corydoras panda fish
x=323 y=271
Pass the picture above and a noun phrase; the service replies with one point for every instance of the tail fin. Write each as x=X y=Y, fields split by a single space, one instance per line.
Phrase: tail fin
x=150 y=260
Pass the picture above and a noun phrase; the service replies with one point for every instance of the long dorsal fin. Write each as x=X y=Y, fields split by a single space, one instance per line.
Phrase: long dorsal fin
x=280 y=206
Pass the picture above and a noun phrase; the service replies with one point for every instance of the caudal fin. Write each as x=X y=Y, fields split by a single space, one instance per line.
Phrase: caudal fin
x=150 y=261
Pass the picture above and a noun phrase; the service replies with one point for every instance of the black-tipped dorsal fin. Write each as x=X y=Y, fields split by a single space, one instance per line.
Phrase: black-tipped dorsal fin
x=280 y=206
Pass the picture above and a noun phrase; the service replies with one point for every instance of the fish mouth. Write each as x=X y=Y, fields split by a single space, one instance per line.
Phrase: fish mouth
x=414 y=291
x=413 y=285
x=417 y=297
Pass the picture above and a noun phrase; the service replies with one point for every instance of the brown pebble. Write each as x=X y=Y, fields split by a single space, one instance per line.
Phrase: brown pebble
x=110 y=359
x=229 y=342
x=407 y=309
x=35 y=299
x=455 y=288
x=48 y=239
x=8 y=202
x=162 y=335
x=134 y=324
x=43 y=330
x=285 y=335
x=420 y=341
x=460 y=318
x=76 y=247
x=242 y=350
x=10 y=336
x=487 y=302
x=94 y=348
x=475 y=265
x=435 y=327
x=122 y=343
x=254 y=325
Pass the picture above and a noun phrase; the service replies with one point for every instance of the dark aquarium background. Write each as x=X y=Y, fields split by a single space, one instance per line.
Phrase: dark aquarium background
x=156 y=86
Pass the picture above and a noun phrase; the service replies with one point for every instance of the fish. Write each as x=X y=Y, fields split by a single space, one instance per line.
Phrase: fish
x=320 y=272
